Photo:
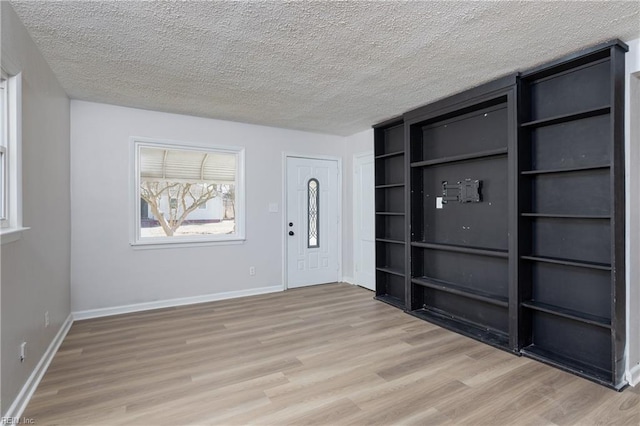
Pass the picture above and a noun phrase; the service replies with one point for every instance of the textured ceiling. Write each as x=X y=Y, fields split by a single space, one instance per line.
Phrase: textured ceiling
x=330 y=67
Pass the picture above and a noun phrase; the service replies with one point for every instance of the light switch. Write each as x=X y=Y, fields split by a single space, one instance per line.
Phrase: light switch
x=438 y=202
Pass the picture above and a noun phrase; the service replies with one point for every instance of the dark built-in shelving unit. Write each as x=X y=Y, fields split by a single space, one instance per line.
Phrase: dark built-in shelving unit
x=391 y=245
x=571 y=214
x=500 y=213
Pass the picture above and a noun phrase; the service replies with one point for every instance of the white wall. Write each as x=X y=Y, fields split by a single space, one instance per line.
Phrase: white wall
x=354 y=144
x=35 y=269
x=107 y=271
x=632 y=147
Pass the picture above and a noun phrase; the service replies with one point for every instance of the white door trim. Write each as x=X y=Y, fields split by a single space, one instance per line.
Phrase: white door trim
x=354 y=200
x=283 y=215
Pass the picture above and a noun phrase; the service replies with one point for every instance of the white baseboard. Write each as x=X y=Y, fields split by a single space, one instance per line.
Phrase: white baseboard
x=633 y=375
x=139 y=307
x=24 y=396
x=348 y=280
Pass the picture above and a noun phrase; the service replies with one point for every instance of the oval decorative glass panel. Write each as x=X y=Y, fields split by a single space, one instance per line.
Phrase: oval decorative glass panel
x=313 y=212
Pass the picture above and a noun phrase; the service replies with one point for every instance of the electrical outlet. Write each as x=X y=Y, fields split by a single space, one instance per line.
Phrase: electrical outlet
x=46 y=319
x=252 y=270
x=23 y=351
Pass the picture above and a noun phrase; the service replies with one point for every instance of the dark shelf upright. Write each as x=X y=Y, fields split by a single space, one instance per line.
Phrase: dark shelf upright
x=571 y=214
x=390 y=196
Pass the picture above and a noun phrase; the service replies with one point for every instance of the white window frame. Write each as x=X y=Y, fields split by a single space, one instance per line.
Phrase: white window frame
x=11 y=144
x=185 y=241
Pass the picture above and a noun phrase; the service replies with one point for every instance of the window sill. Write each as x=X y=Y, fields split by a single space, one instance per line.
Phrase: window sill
x=9 y=235
x=153 y=245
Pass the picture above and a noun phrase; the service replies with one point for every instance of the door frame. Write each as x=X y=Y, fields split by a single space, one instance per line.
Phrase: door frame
x=355 y=204
x=283 y=216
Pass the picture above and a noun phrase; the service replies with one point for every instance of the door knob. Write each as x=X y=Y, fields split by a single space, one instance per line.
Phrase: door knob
x=290 y=232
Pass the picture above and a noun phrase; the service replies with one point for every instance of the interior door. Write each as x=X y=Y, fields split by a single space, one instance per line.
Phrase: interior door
x=312 y=221
x=364 y=222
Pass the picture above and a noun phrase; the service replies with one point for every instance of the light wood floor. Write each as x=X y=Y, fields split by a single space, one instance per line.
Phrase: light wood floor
x=323 y=355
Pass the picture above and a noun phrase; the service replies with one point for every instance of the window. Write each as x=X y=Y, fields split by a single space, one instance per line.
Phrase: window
x=4 y=134
x=3 y=187
x=10 y=163
x=313 y=221
x=186 y=193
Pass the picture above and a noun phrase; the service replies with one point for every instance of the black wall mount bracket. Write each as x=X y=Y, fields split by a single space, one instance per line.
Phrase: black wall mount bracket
x=467 y=191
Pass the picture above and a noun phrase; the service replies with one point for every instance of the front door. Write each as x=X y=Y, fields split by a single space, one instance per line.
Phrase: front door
x=312 y=221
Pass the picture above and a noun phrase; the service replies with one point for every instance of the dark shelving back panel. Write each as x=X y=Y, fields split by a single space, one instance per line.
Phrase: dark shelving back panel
x=390 y=256
x=483 y=224
x=390 y=199
x=571 y=339
x=483 y=273
x=480 y=130
x=574 y=144
x=390 y=227
x=583 y=192
x=390 y=285
x=392 y=140
x=477 y=312
x=389 y=170
x=587 y=240
x=583 y=290
x=582 y=88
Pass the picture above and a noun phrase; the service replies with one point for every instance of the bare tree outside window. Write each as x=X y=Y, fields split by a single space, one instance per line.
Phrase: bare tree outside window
x=188 y=192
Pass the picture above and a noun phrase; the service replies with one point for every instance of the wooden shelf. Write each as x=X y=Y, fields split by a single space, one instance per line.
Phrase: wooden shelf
x=390 y=185
x=462 y=249
x=463 y=157
x=592 y=112
x=392 y=271
x=387 y=240
x=568 y=313
x=390 y=154
x=591 y=372
x=592 y=265
x=391 y=300
x=551 y=74
x=461 y=291
x=491 y=337
x=390 y=213
x=565 y=216
x=566 y=170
